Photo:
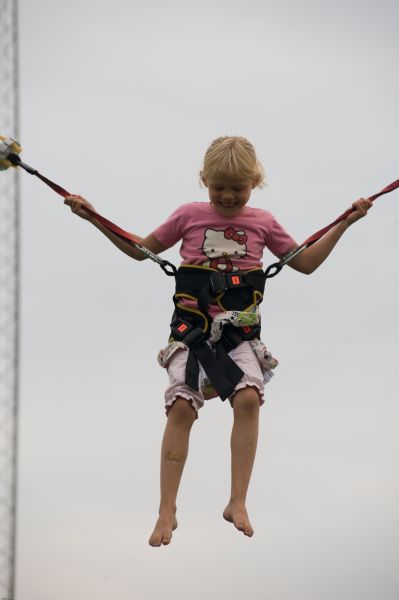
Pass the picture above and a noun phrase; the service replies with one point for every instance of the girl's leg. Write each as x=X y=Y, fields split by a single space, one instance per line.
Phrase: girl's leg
x=174 y=452
x=244 y=438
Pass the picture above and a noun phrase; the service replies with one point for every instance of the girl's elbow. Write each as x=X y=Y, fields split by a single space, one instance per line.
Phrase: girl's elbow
x=309 y=269
x=304 y=267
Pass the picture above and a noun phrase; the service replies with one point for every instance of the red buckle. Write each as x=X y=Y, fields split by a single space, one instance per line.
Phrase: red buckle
x=235 y=279
x=182 y=327
x=247 y=329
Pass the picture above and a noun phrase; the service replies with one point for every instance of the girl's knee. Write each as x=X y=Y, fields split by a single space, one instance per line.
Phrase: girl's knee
x=182 y=411
x=246 y=401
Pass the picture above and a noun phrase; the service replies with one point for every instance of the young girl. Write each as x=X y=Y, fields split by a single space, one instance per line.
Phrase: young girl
x=225 y=237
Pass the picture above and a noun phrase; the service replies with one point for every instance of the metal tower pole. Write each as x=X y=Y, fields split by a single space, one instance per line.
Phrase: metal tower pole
x=9 y=300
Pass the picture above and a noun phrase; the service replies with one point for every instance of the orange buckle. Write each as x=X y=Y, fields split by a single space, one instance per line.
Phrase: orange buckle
x=182 y=327
x=236 y=280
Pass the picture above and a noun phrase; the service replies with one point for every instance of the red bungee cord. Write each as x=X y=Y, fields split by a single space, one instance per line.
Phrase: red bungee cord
x=319 y=234
x=168 y=267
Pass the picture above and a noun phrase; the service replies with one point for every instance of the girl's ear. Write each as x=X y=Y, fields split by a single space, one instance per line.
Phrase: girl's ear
x=204 y=180
x=255 y=181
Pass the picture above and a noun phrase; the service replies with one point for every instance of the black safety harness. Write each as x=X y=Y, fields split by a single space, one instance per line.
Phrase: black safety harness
x=237 y=290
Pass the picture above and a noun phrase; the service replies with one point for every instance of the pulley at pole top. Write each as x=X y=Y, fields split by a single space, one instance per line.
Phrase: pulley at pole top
x=8 y=146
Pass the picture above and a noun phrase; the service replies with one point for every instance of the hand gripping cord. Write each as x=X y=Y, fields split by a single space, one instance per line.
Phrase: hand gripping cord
x=276 y=267
x=165 y=265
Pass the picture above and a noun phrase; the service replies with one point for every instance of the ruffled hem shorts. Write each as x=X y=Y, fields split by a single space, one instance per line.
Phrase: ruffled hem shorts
x=244 y=355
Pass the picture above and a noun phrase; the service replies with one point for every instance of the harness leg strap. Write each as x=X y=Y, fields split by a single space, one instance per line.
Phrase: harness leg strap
x=192 y=371
x=229 y=367
x=220 y=368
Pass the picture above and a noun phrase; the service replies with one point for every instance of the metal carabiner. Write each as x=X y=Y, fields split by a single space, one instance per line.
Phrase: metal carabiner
x=164 y=264
x=277 y=266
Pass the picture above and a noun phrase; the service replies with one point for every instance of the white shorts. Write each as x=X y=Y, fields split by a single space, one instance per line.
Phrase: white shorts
x=243 y=355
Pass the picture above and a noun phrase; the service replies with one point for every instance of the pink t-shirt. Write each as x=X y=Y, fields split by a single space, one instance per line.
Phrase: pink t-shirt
x=225 y=243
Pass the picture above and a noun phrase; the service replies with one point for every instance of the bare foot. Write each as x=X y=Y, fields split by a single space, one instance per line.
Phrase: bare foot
x=162 y=533
x=237 y=514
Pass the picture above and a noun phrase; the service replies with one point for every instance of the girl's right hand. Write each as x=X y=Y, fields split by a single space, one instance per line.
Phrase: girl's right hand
x=78 y=204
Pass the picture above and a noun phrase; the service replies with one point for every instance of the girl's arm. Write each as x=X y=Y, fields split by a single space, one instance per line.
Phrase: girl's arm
x=77 y=204
x=311 y=258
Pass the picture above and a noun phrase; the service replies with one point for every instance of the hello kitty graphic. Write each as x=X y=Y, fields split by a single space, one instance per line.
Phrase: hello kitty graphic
x=221 y=246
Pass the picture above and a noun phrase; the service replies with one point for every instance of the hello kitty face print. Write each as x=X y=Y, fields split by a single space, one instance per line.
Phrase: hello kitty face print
x=228 y=244
x=222 y=247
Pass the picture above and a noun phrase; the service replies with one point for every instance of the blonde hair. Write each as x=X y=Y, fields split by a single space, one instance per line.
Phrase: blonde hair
x=232 y=156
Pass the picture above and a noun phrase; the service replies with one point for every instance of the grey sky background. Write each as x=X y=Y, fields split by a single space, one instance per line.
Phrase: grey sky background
x=119 y=102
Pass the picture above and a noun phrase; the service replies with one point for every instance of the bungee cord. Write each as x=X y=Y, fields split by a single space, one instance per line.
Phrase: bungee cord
x=9 y=156
x=14 y=160
x=277 y=266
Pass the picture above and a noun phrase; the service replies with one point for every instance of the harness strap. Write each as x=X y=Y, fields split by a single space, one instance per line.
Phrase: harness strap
x=275 y=268
x=192 y=326
x=166 y=266
x=222 y=371
x=231 y=291
x=316 y=236
x=271 y=271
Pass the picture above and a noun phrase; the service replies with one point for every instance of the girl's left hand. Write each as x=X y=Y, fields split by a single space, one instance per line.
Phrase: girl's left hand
x=360 y=208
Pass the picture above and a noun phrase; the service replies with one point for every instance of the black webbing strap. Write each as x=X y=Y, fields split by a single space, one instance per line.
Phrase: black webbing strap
x=235 y=289
x=205 y=285
x=222 y=371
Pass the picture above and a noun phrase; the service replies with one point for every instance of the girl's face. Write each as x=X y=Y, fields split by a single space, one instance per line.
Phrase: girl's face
x=228 y=196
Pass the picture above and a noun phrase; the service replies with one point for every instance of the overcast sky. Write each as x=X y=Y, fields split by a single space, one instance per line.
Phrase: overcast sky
x=119 y=101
